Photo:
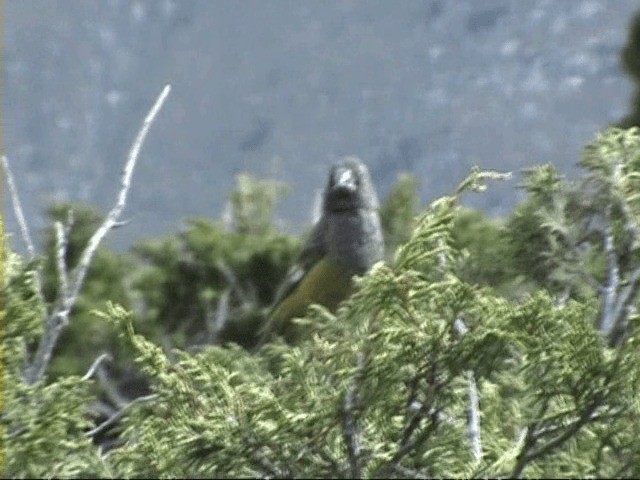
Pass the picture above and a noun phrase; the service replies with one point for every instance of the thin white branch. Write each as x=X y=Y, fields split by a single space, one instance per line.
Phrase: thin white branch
x=116 y=416
x=218 y=319
x=473 y=422
x=623 y=304
x=114 y=215
x=110 y=389
x=61 y=264
x=631 y=281
x=95 y=365
x=460 y=328
x=17 y=209
x=59 y=317
x=233 y=282
x=561 y=301
x=610 y=290
x=22 y=223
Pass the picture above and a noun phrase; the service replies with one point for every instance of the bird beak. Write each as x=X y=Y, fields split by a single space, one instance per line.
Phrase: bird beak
x=346 y=180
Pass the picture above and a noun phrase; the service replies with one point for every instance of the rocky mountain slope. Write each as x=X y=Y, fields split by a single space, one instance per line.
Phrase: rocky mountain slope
x=282 y=88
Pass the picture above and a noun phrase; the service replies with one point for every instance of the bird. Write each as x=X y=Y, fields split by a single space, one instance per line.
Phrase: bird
x=346 y=240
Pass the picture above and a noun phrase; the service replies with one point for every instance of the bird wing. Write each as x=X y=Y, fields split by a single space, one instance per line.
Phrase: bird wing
x=312 y=252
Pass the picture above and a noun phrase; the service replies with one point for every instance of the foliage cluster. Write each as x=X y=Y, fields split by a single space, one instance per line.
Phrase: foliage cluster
x=478 y=348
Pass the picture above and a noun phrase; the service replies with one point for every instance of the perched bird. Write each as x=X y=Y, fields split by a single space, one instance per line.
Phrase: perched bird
x=345 y=241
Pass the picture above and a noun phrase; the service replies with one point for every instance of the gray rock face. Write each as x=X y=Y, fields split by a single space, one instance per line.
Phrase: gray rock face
x=283 y=88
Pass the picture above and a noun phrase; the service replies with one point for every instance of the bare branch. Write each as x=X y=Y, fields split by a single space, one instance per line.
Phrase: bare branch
x=561 y=301
x=110 y=389
x=460 y=328
x=58 y=319
x=570 y=431
x=22 y=223
x=349 y=421
x=527 y=440
x=420 y=410
x=61 y=264
x=114 y=215
x=17 y=209
x=409 y=442
x=218 y=319
x=528 y=454
x=116 y=416
x=618 y=293
x=473 y=423
x=233 y=281
x=95 y=365
x=624 y=302
x=610 y=290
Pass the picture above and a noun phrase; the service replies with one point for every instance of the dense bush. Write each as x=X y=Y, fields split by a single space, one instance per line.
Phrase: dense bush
x=478 y=348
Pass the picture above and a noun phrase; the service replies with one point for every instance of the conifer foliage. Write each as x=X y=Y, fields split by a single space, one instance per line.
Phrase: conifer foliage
x=427 y=370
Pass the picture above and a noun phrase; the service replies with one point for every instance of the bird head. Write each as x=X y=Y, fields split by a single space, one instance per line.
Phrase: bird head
x=349 y=187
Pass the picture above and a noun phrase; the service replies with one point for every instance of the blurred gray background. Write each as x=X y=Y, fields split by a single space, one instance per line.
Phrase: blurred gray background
x=283 y=88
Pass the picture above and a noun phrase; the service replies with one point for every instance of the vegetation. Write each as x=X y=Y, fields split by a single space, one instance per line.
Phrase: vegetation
x=479 y=347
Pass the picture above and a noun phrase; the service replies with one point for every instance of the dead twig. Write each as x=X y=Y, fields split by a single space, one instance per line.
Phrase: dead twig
x=71 y=284
x=95 y=365
x=17 y=209
x=116 y=416
x=473 y=423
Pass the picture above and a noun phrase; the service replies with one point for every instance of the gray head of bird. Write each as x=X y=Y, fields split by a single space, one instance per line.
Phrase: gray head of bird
x=349 y=187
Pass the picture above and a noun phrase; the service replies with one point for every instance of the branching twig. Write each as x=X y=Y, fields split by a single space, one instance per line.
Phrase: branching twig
x=116 y=416
x=570 y=431
x=408 y=438
x=410 y=443
x=529 y=453
x=233 y=281
x=114 y=215
x=58 y=319
x=554 y=429
x=527 y=440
